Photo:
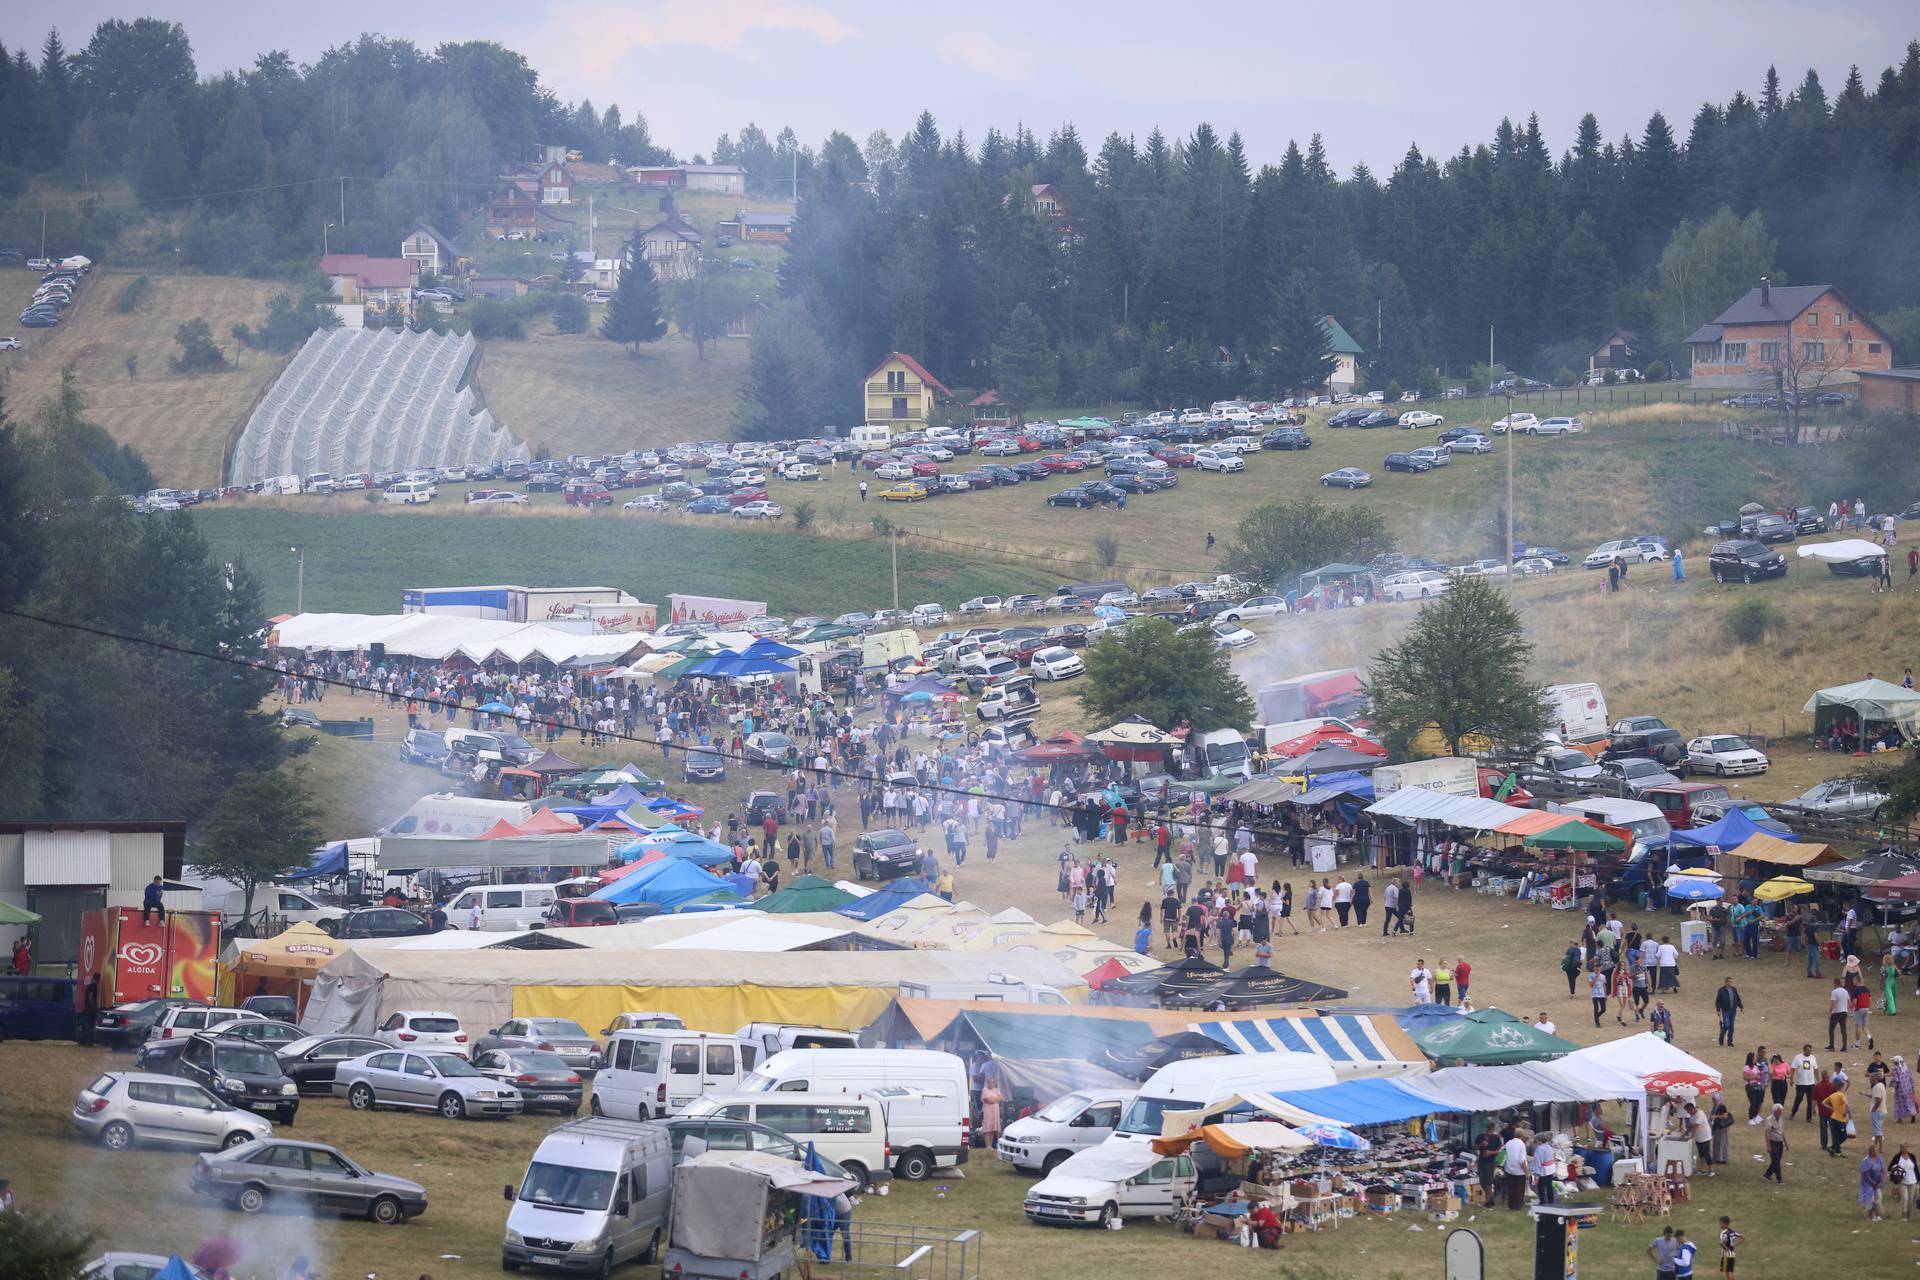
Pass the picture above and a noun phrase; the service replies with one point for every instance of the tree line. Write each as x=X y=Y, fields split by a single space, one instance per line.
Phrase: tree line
x=1178 y=269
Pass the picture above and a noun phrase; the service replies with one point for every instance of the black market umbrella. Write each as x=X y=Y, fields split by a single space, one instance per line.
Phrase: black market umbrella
x=1137 y=1062
x=1330 y=759
x=1255 y=985
x=1154 y=985
x=1868 y=869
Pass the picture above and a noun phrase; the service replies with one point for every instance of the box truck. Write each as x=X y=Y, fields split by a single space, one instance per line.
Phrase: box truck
x=168 y=954
x=1449 y=775
x=1334 y=692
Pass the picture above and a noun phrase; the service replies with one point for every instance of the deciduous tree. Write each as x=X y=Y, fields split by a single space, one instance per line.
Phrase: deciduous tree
x=1166 y=677
x=265 y=826
x=1277 y=542
x=1462 y=669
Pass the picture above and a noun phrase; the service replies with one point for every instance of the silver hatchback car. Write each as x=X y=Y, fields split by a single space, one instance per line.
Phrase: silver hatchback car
x=562 y=1036
x=443 y=1082
x=121 y=1108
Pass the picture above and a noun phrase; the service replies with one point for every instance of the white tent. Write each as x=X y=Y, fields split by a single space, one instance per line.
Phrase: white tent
x=1641 y=1056
x=1845 y=551
x=436 y=637
x=345 y=998
x=1472 y=813
x=755 y=932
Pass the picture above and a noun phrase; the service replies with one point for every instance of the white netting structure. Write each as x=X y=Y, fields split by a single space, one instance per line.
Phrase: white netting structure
x=371 y=400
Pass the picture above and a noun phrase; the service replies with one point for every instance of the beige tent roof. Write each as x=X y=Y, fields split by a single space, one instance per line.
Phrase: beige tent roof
x=1761 y=847
x=300 y=951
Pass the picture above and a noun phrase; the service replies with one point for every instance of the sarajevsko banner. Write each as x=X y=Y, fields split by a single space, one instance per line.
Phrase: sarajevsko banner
x=713 y=609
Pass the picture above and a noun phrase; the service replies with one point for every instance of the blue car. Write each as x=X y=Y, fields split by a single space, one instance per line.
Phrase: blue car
x=711 y=505
x=36 y=1008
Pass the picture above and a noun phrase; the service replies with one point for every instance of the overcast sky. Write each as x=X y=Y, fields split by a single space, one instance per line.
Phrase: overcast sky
x=1370 y=77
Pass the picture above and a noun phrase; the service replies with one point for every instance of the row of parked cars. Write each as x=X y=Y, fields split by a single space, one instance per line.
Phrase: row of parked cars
x=55 y=293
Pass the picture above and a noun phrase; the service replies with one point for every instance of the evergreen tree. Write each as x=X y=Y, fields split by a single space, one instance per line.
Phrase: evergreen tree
x=633 y=317
x=1582 y=282
x=1297 y=340
x=53 y=104
x=1026 y=371
x=156 y=163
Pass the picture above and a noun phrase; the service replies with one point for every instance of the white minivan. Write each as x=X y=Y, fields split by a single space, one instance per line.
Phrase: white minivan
x=1071 y=1122
x=929 y=1106
x=595 y=1195
x=1197 y=1083
x=648 y=1074
x=1106 y=1183
x=504 y=908
x=849 y=1129
x=410 y=492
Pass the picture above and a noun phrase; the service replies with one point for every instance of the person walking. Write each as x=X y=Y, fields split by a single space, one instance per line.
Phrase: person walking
x=1570 y=964
x=1779 y=1075
x=1900 y=1080
x=863 y=491
x=1877 y=1104
x=1679 y=573
x=1753 y=1078
x=1775 y=1133
x=1544 y=1167
x=1839 y=1005
x=1806 y=1073
x=1726 y=1003
x=1390 y=906
x=1903 y=1174
x=1462 y=976
x=1597 y=988
x=1839 y=1118
x=1720 y=1121
x=1873 y=1180
x=1403 y=923
x=1660 y=1021
x=1362 y=899
x=1660 y=1253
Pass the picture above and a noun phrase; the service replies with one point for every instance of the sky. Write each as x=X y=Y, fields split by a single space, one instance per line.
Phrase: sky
x=1371 y=78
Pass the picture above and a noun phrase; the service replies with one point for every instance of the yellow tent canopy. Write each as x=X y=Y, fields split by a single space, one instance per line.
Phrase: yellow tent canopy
x=299 y=952
x=1761 y=847
x=1782 y=887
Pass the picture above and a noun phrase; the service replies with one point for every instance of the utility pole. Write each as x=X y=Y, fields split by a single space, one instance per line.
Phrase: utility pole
x=299 y=579
x=796 y=175
x=43 y=233
x=893 y=542
x=1490 y=349
x=343 y=199
x=1512 y=436
x=590 y=226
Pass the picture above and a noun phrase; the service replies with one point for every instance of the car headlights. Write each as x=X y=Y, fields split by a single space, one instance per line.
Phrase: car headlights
x=236 y=1086
x=288 y=1089
x=1077 y=1200
x=589 y=1245
x=514 y=1237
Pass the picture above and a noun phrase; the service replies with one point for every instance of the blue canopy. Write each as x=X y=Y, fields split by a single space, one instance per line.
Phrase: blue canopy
x=623 y=795
x=764 y=648
x=1337 y=1037
x=176 y=1269
x=748 y=665
x=331 y=862
x=720 y=664
x=496 y=708
x=589 y=814
x=1729 y=833
x=690 y=847
x=881 y=901
x=1361 y=1102
x=671 y=882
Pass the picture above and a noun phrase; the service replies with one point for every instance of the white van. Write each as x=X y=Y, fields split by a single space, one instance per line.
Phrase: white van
x=595 y=1195
x=1647 y=823
x=930 y=1119
x=411 y=493
x=1071 y=1122
x=647 y=1074
x=1201 y=1082
x=504 y=908
x=295 y=906
x=1579 y=712
x=849 y=1129
x=446 y=816
x=1222 y=751
x=486 y=746
x=773 y=1037
x=1106 y=1183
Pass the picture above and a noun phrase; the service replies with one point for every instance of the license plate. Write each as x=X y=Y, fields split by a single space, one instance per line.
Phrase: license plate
x=553 y=1097
x=1051 y=1212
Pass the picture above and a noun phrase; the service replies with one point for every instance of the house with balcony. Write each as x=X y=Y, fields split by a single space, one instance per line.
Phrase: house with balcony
x=900 y=391
x=672 y=246
x=384 y=286
x=437 y=255
x=1796 y=337
x=1615 y=352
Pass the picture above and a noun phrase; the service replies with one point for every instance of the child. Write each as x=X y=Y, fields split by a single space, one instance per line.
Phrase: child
x=1079 y=905
x=1729 y=1241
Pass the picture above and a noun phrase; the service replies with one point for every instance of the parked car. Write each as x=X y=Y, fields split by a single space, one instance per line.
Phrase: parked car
x=310 y=1062
x=546 y=1081
x=424 y=1030
x=121 y=1109
x=270 y=1032
x=424 y=747
x=280 y=1171
x=1420 y=418
x=1638 y=773
x=1433 y=455
x=1664 y=745
x=378 y=922
x=1347 y=478
x=1218 y=460
x=562 y=1037
x=242 y=1075
x=1563 y=426
x=1254 y=607
x=1564 y=764
x=1628 y=549
x=885 y=854
x=433 y=1081
x=1409 y=463
x=758 y=510
x=1724 y=755
x=1056 y=662
x=579 y=913
x=1418 y=585
x=1841 y=797
x=128 y=1026
x=1515 y=421
x=1231 y=635
x=180 y=1020
x=1744 y=560
x=1072 y=1122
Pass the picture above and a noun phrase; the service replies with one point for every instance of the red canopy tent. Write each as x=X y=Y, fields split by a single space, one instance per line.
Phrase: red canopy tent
x=547 y=823
x=1899 y=889
x=500 y=830
x=1106 y=971
x=1326 y=735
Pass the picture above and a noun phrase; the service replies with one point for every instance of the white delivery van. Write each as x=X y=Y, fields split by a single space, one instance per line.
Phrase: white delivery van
x=504 y=908
x=997 y=986
x=1201 y=1082
x=1579 y=712
x=849 y=1129
x=1221 y=752
x=929 y=1123
x=1071 y=1122
x=446 y=816
x=772 y=1037
x=647 y=1074
x=295 y=906
x=595 y=1195
x=1105 y=1183
x=410 y=493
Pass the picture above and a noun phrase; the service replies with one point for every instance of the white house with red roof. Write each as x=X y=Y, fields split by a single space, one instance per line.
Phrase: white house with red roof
x=383 y=285
x=901 y=391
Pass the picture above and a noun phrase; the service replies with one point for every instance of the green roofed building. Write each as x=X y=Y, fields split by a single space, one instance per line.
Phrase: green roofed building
x=1343 y=356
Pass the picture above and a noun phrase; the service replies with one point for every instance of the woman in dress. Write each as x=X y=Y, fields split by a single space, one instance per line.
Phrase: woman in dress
x=990 y=1100
x=1900 y=1081
x=1721 y=1121
x=1286 y=909
x=1873 y=1177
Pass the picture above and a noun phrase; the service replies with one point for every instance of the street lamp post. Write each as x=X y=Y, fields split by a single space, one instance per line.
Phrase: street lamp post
x=324 y=250
x=1511 y=436
x=299 y=579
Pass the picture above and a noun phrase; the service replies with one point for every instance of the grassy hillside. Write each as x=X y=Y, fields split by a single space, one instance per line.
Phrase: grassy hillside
x=361 y=562
x=582 y=393
x=181 y=424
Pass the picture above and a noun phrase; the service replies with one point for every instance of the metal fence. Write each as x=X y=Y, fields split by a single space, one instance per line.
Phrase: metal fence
x=899 y=1251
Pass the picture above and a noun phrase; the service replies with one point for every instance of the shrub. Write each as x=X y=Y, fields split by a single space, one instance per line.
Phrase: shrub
x=1753 y=620
x=1395 y=391
x=569 y=314
x=1657 y=371
x=1107 y=547
x=133 y=297
x=803 y=513
x=198 y=351
x=1565 y=377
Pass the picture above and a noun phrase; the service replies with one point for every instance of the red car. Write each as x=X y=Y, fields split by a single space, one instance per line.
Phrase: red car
x=1029 y=445
x=1174 y=457
x=1490 y=783
x=928 y=468
x=1060 y=462
x=587 y=493
x=1073 y=635
x=872 y=460
x=1024 y=651
x=742 y=497
x=576 y=913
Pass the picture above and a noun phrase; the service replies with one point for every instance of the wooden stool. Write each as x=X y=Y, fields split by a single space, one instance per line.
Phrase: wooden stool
x=1679 y=1185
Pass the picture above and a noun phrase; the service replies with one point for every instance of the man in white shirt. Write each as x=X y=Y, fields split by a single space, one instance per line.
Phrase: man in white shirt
x=1250 y=866
x=1806 y=1072
x=1343 y=900
x=1546 y=1024
x=1514 y=1169
x=1545 y=1165
x=1422 y=982
x=1839 y=1001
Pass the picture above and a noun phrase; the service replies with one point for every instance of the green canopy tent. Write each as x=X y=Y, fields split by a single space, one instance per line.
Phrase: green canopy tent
x=1866 y=702
x=827 y=631
x=1575 y=834
x=806 y=893
x=1330 y=572
x=10 y=914
x=1041 y=1056
x=1486 y=1038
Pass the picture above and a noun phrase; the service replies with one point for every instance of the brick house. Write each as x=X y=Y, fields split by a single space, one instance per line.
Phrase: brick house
x=1793 y=337
x=899 y=389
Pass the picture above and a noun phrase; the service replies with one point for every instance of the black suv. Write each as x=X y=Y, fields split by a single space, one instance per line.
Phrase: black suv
x=886 y=854
x=1286 y=438
x=1668 y=746
x=1744 y=560
x=378 y=922
x=761 y=804
x=1769 y=528
x=1809 y=520
x=241 y=1074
